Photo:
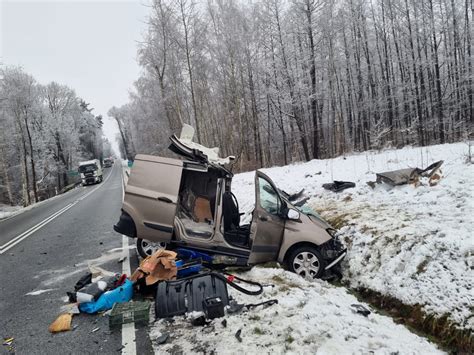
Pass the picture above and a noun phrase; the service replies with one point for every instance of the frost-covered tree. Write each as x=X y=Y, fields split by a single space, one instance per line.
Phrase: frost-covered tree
x=46 y=130
x=274 y=81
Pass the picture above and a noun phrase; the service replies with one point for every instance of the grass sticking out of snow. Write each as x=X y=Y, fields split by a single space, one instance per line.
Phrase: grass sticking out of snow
x=439 y=329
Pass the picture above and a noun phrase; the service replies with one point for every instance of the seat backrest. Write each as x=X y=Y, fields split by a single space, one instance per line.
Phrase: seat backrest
x=230 y=211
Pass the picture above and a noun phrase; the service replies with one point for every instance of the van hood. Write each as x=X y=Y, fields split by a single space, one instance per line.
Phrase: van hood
x=313 y=216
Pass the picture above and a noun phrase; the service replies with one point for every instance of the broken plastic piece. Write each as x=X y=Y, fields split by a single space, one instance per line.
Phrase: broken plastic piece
x=358 y=308
x=8 y=341
x=338 y=186
x=409 y=175
x=237 y=335
x=162 y=338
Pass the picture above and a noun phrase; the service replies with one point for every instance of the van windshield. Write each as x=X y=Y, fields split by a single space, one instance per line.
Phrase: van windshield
x=87 y=168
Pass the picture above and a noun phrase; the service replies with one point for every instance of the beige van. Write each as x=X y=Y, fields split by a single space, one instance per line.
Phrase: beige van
x=188 y=203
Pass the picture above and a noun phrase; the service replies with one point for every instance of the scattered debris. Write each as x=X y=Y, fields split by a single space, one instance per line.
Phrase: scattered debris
x=8 y=341
x=237 y=335
x=235 y=307
x=411 y=175
x=338 y=186
x=171 y=295
x=159 y=266
x=106 y=301
x=129 y=312
x=61 y=324
x=163 y=338
x=72 y=308
x=200 y=321
x=95 y=330
x=122 y=259
x=358 y=308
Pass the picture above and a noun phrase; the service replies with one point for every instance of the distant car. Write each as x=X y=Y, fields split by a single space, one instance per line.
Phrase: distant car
x=189 y=203
x=108 y=163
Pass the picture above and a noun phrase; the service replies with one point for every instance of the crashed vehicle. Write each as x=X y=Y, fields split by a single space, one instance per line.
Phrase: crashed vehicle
x=189 y=204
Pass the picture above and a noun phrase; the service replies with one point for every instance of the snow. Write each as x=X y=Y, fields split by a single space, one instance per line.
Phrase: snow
x=412 y=243
x=310 y=318
x=7 y=211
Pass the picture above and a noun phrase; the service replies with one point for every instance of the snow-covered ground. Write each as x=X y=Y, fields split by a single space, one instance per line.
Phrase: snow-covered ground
x=310 y=318
x=413 y=243
x=7 y=211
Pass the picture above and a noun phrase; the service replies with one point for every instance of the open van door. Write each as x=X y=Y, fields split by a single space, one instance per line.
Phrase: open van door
x=151 y=196
x=268 y=225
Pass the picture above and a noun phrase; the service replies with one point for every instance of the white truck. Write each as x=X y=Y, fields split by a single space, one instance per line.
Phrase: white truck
x=91 y=172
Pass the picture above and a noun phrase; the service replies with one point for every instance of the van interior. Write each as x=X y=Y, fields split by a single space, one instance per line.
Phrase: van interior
x=197 y=208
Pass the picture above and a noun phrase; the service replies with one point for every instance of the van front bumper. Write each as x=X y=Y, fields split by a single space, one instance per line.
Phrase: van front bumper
x=336 y=260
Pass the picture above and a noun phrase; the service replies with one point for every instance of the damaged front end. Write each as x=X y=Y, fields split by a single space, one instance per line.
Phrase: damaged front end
x=333 y=252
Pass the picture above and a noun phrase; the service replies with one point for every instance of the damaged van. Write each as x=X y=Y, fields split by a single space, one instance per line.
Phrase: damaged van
x=189 y=203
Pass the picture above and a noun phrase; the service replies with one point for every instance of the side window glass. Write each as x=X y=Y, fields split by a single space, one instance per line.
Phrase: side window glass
x=269 y=199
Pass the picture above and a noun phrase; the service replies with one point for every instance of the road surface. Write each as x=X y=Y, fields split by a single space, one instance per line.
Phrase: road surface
x=44 y=251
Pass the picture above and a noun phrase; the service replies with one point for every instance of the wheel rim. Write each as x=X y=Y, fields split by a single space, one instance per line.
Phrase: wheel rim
x=151 y=247
x=307 y=265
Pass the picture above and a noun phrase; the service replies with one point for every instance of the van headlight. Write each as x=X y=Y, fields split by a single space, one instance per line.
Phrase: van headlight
x=332 y=232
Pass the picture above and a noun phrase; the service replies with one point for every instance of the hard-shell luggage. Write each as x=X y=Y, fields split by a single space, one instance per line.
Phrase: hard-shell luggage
x=189 y=294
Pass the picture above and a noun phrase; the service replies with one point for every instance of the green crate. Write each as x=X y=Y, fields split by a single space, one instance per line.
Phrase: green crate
x=122 y=313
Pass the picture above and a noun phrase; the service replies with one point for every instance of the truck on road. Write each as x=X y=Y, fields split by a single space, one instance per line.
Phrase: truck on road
x=91 y=172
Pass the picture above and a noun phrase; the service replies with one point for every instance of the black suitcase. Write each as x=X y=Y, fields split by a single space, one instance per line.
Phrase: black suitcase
x=189 y=294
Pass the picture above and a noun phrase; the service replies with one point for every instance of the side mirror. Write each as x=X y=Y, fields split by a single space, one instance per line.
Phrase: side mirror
x=292 y=214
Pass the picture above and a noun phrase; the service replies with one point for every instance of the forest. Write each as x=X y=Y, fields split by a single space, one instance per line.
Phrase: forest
x=46 y=131
x=274 y=81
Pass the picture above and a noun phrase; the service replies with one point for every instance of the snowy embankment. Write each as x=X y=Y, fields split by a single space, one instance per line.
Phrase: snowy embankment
x=7 y=211
x=412 y=243
x=310 y=318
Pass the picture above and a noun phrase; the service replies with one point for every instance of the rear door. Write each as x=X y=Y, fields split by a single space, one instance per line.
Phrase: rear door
x=267 y=224
x=151 y=196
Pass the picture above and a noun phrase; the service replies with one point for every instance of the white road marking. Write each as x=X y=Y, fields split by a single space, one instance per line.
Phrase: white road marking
x=19 y=238
x=128 y=330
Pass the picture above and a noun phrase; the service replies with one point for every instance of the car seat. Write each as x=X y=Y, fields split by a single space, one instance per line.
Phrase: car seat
x=234 y=233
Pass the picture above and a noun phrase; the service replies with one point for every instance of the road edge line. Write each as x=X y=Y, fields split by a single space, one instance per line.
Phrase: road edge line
x=129 y=345
x=19 y=238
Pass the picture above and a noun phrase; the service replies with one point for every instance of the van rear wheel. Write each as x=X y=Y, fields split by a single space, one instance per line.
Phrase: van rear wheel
x=307 y=262
x=146 y=248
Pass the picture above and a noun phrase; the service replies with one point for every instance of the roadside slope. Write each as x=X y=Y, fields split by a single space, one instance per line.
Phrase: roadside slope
x=414 y=244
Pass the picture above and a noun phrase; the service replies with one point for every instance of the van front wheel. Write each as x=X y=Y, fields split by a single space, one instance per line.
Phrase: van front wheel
x=146 y=248
x=307 y=262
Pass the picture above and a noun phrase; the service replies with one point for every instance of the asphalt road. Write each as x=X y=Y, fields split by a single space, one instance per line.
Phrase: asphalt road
x=44 y=251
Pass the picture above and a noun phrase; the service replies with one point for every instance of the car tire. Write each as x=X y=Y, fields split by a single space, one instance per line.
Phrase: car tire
x=146 y=248
x=307 y=262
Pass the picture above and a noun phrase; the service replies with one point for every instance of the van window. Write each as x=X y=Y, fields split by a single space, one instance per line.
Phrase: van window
x=269 y=199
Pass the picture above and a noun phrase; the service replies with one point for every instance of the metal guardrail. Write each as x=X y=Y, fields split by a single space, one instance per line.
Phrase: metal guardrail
x=126 y=175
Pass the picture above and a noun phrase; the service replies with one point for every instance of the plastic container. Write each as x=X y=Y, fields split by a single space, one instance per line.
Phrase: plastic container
x=122 y=313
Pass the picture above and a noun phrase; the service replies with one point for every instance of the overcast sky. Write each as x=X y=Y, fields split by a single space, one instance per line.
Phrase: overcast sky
x=88 y=45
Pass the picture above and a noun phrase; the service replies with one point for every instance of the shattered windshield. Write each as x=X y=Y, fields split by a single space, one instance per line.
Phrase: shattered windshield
x=87 y=168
